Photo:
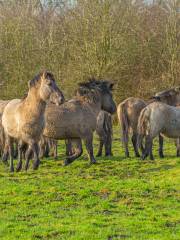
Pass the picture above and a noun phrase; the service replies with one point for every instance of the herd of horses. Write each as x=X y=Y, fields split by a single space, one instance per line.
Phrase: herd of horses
x=30 y=127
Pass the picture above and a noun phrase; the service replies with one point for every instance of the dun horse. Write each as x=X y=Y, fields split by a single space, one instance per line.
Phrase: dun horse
x=24 y=119
x=158 y=118
x=104 y=131
x=128 y=112
x=76 y=119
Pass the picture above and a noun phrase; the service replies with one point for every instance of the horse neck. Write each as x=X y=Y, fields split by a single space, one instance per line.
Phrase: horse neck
x=93 y=104
x=177 y=100
x=34 y=103
x=96 y=107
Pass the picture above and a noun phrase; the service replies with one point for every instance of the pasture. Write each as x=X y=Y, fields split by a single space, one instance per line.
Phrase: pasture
x=117 y=198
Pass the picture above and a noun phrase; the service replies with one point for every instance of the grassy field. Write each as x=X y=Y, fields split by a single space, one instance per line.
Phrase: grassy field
x=117 y=198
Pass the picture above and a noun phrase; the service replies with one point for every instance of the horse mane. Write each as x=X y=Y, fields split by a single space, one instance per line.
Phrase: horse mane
x=168 y=93
x=93 y=83
x=89 y=90
x=37 y=78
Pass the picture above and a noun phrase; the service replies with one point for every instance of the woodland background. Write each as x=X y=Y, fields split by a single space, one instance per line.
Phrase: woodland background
x=133 y=43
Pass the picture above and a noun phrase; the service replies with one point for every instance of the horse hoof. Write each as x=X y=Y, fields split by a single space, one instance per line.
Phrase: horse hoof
x=35 y=166
x=67 y=162
x=18 y=168
x=161 y=155
x=143 y=157
x=108 y=154
x=93 y=161
x=99 y=155
x=137 y=155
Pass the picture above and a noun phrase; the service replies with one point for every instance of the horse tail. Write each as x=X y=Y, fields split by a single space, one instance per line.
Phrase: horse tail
x=2 y=135
x=123 y=121
x=143 y=125
x=107 y=124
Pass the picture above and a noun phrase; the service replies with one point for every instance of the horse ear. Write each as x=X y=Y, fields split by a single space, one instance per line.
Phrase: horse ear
x=111 y=85
x=29 y=84
x=44 y=74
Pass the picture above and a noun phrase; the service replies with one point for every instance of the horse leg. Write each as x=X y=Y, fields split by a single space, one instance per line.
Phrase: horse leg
x=20 y=150
x=126 y=147
x=108 y=145
x=11 y=153
x=41 y=150
x=161 y=155
x=134 y=142
x=55 y=150
x=148 y=147
x=75 y=155
x=69 y=150
x=28 y=156
x=35 y=149
x=101 y=143
x=108 y=148
x=178 y=147
x=89 y=147
x=15 y=147
x=5 y=154
x=47 y=148
x=151 y=150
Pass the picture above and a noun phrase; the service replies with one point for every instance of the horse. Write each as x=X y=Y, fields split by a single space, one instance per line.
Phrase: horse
x=104 y=132
x=76 y=119
x=172 y=98
x=23 y=119
x=129 y=111
x=158 y=118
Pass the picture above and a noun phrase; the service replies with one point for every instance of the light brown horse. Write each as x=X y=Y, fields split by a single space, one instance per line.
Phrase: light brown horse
x=129 y=111
x=24 y=119
x=158 y=118
x=76 y=119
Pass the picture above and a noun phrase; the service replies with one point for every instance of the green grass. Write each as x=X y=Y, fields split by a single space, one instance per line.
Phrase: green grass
x=117 y=198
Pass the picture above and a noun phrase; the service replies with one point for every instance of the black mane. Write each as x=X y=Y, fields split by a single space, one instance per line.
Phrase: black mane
x=92 y=83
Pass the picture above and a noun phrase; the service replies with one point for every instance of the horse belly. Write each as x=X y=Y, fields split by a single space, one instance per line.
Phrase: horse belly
x=172 y=130
x=32 y=131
